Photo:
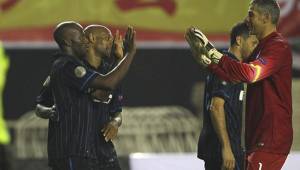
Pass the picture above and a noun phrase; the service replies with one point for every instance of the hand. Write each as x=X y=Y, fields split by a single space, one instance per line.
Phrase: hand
x=46 y=112
x=198 y=50
x=228 y=159
x=129 y=42
x=118 y=45
x=212 y=52
x=110 y=130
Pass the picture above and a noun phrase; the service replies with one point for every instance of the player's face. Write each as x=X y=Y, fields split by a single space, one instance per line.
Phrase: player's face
x=254 y=20
x=79 y=42
x=248 y=44
x=104 y=41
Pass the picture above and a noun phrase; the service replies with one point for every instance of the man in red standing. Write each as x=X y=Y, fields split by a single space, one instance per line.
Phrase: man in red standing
x=268 y=72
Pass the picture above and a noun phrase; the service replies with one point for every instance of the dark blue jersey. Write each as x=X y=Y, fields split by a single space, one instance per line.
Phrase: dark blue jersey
x=45 y=97
x=209 y=147
x=78 y=131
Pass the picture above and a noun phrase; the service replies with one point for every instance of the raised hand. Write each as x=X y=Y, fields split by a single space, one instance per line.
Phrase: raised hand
x=129 y=42
x=212 y=53
x=118 y=44
x=197 y=48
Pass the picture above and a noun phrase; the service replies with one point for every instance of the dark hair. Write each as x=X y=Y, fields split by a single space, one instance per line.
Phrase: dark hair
x=61 y=28
x=239 y=29
x=270 y=7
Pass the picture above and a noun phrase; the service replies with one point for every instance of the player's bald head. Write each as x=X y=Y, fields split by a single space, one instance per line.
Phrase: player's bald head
x=96 y=30
x=64 y=31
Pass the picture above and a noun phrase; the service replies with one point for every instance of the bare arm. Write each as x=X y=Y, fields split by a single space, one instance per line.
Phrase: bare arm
x=110 y=130
x=219 y=123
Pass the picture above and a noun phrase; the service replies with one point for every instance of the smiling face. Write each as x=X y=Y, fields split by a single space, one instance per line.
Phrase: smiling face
x=255 y=20
x=104 y=42
x=100 y=39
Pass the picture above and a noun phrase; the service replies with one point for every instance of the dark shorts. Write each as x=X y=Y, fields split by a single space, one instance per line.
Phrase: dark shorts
x=78 y=163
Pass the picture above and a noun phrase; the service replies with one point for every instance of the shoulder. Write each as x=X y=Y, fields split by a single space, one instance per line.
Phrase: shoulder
x=279 y=41
x=60 y=61
x=64 y=60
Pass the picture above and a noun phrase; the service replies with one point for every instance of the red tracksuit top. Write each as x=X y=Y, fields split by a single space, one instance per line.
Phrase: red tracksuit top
x=269 y=101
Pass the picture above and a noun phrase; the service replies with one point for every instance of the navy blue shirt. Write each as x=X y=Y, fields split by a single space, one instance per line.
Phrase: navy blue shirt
x=78 y=131
x=45 y=97
x=209 y=147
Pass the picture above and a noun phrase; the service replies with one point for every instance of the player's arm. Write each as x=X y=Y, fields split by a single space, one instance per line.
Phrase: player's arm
x=111 y=79
x=110 y=130
x=45 y=107
x=77 y=75
x=269 y=60
x=219 y=123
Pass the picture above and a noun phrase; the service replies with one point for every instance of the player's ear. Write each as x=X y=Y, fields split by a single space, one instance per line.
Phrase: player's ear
x=266 y=18
x=238 y=40
x=66 y=42
x=91 y=38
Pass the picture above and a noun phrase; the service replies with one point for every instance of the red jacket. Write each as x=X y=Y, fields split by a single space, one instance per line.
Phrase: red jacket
x=269 y=101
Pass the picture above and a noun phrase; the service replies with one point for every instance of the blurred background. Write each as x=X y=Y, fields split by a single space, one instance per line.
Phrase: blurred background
x=163 y=90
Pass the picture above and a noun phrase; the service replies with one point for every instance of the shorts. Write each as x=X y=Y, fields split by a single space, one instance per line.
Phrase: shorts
x=264 y=160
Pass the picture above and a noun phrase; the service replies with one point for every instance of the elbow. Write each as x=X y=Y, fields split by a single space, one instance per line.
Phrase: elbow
x=215 y=110
x=250 y=79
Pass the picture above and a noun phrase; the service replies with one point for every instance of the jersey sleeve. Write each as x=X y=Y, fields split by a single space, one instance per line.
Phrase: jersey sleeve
x=221 y=88
x=45 y=97
x=269 y=60
x=78 y=75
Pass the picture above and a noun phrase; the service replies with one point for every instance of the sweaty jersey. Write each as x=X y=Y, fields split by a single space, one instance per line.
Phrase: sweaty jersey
x=269 y=101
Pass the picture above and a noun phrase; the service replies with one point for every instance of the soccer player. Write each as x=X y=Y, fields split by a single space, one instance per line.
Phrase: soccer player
x=99 y=57
x=100 y=49
x=268 y=72
x=220 y=139
x=74 y=140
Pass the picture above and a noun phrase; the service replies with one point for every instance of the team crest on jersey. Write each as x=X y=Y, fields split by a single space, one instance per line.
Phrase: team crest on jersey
x=79 y=71
x=46 y=82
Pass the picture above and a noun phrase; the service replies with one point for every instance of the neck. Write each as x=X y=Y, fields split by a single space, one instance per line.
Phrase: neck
x=267 y=31
x=68 y=51
x=92 y=58
x=236 y=52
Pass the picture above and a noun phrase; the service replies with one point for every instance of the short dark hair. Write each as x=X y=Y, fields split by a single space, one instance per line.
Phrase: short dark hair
x=239 y=29
x=61 y=28
x=270 y=7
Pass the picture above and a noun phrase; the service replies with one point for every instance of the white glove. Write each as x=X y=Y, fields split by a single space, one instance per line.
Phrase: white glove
x=212 y=52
